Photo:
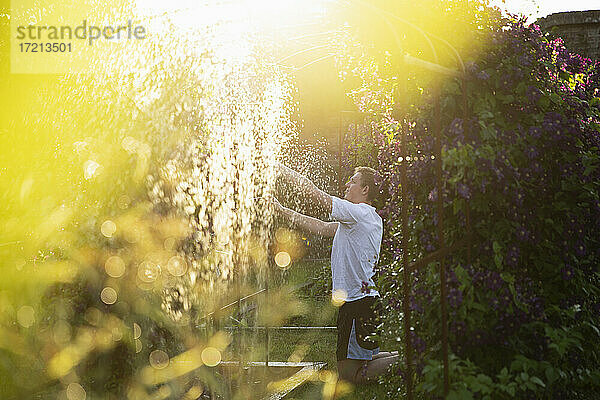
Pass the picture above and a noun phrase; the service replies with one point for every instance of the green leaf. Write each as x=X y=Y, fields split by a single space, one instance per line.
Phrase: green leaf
x=457 y=205
x=593 y=327
x=452 y=395
x=555 y=98
x=551 y=374
x=537 y=380
x=507 y=277
x=589 y=169
x=511 y=390
x=498 y=260
x=497 y=247
x=461 y=394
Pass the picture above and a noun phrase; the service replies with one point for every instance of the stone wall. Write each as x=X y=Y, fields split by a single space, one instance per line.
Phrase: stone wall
x=579 y=29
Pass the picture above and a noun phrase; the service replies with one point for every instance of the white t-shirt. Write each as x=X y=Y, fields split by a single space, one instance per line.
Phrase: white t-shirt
x=356 y=246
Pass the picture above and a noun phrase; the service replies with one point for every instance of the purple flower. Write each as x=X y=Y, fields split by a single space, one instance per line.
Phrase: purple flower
x=472 y=67
x=531 y=153
x=533 y=94
x=456 y=127
x=483 y=185
x=552 y=121
x=433 y=195
x=415 y=305
x=512 y=255
x=495 y=303
x=505 y=298
x=493 y=281
x=484 y=163
x=482 y=75
x=519 y=196
x=457 y=327
x=419 y=344
x=455 y=298
x=498 y=172
x=535 y=132
x=567 y=272
x=479 y=336
x=523 y=234
x=463 y=190
x=364 y=288
x=580 y=249
x=478 y=277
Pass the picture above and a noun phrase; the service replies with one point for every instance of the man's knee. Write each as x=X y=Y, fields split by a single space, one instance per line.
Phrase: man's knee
x=349 y=370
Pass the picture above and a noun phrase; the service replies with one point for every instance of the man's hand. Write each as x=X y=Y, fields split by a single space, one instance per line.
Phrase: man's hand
x=305 y=186
x=304 y=222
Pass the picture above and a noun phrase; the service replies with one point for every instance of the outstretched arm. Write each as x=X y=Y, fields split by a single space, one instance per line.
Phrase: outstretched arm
x=306 y=223
x=303 y=184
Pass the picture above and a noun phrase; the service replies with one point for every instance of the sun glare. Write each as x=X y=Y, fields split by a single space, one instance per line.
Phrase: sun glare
x=236 y=25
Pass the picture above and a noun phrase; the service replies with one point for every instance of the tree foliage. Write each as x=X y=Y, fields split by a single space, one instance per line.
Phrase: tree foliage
x=523 y=160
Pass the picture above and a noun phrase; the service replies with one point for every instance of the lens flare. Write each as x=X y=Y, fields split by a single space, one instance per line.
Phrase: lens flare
x=26 y=316
x=75 y=392
x=108 y=295
x=211 y=357
x=159 y=359
x=148 y=272
x=137 y=331
x=176 y=266
x=338 y=297
x=283 y=259
x=114 y=267
x=91 y=169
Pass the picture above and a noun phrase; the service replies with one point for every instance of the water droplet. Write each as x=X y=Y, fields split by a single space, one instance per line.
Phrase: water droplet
x=137 y=331
x=123 y=202
x=177 y=266
x=148 y=272
x=169 y=243
x=108 y=295
x=159 y=359
x=108 y=228
x=211 y=356
x=114 y=267
x=283 y=259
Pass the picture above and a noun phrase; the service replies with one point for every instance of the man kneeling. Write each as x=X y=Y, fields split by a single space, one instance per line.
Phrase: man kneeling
x=357 y=230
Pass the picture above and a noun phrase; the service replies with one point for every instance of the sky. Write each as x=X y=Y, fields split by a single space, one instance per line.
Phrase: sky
x=540 y=8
